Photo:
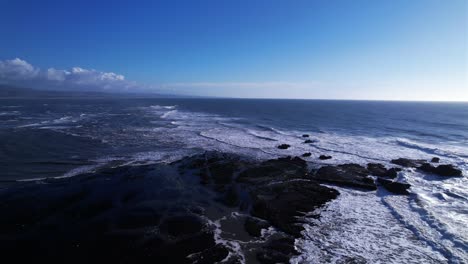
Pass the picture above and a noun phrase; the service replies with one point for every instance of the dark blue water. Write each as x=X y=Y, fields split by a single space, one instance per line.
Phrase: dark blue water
x=42 y=138
x=70 y=132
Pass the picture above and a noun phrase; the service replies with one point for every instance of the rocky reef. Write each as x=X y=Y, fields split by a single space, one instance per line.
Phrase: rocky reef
x=183 y=212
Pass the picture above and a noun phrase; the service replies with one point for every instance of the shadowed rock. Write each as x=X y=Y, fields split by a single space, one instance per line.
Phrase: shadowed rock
x=305 y=135
x=351 y=175
x=284 y=146
x=277 y=251
x=378 y=169
x=446 y=170
x=308 y=141
x=394 y=187
x=280 y=203
x=307 y=154
x=254 y=226
x=273 y=170
x=435 y=160
x=147 y=213
x=325 y=157
x=408 y=162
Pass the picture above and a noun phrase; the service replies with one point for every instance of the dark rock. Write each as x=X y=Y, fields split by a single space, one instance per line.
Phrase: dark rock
x=222 y=172
x=407 y=162
x=308 y=141
x=426 y=167
x=378 y=169
x=211 y=255
x=231 y=197
x=138 y=219
x=274 y=170
x=305 y=135
x=351 y=175
x=181 y=225
x=254 y=226
x=307 y=154
x=284 y=146
x=95 y=208
x=435 y=160
x=446 y=170
x=394 y=187
x=393 y=172
x=277 y=251
x=280 y=203
x=325 y=157
x=150 y=213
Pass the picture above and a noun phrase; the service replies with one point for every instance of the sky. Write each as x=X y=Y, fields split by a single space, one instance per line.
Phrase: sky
x=360 y=49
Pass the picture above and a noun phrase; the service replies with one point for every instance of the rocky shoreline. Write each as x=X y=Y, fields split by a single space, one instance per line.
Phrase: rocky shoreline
x=183 y=212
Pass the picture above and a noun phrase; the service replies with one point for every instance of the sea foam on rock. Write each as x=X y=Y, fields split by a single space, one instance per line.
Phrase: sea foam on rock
x=447 y=170
x=394 y=187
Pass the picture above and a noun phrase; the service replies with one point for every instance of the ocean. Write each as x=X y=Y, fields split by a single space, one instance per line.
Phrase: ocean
x=65 y=137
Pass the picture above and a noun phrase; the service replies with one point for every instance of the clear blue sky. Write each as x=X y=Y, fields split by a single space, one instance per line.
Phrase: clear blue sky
x=363 y=49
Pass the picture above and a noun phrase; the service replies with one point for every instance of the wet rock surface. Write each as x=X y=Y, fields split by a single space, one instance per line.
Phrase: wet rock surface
x=350 y=175
x=254 y=226
x=149 y=213
x=394 y=187
x=284 y=146
x=324 y=157
x=408 y=162
x=281 y=203
x=123 y=215
x=180 y=212
x=277 y=251
x=379 y=170
x=446 y=170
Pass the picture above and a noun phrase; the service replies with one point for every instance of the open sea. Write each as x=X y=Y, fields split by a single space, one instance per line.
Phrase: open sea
x=44 y=138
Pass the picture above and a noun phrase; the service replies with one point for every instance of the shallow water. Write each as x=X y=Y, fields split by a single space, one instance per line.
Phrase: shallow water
x=65 y=137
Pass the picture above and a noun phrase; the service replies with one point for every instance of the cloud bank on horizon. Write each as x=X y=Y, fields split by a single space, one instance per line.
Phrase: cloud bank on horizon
x=21 y=73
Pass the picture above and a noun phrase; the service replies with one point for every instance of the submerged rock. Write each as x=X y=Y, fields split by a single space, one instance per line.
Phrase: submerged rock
x=284 y=146
x=394 y=187
x=307 y=141
x=307 y=154
x=305 y=135
x=435 y=160
x=351 y=175
x=325 y=157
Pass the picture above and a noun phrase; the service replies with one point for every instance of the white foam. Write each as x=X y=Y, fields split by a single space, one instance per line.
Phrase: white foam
x=429 y=226
x=358 y=228
x=10 y=113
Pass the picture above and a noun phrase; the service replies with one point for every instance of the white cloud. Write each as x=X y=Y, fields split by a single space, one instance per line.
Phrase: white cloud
x=17 y=69
x=57 y=75
x=20 y=72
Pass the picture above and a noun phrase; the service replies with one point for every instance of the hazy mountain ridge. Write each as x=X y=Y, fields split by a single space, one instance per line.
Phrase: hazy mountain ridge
x=11 y=91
